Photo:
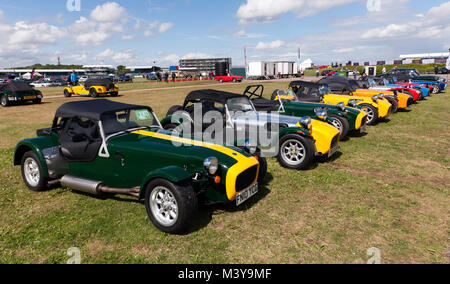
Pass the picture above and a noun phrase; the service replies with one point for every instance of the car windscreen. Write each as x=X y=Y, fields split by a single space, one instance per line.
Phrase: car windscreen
x=240 y=105
x=116 y=122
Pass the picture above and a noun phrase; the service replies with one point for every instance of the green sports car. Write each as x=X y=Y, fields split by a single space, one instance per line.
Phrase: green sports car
x=345 y=119
x=103 y=147
x=14 y=93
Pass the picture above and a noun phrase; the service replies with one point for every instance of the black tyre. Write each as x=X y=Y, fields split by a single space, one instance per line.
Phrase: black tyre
x=67 y=94
x=296 y=152
x=341 y=124
x=234 y=80
x=93 y=93
x=114 y=94
x=170 y=207
x=32 y=173
x=436 y=89
x=394 y=103
x=372 y=114
x=37 y=101
x=4 y=101
x=170 y=127
x=262 y=169
x=174 y=109
x=221 y=81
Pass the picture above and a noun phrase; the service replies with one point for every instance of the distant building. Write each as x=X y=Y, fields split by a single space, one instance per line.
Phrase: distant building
x=98 y=70
x=206 y=65
x=143 y=70
x=425 y=58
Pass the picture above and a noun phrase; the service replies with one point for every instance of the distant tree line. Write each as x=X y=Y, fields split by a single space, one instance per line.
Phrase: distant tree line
x=50 y=66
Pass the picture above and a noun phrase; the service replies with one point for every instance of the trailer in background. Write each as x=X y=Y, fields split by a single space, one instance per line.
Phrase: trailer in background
x=259 y=70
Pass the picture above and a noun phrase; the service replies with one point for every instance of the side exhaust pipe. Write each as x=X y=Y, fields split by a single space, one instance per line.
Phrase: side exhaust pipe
x=95 y=187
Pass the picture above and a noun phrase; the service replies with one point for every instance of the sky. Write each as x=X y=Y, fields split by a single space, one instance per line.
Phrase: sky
x=157 y=32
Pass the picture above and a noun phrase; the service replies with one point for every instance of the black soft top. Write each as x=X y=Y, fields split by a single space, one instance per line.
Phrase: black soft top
x=211 y=95
x=94 y=109
x=16 y=87
x=306 y=84
x=99 y=82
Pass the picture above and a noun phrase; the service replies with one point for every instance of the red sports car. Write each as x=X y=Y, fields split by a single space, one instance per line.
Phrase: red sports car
x=231 y=78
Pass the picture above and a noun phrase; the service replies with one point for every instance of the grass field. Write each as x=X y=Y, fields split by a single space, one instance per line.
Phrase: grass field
x=388 y=189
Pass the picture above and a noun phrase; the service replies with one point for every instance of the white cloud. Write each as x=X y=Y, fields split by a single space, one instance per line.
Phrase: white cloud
x=34 y=33
x=196 y=55
x=270 y=45
x=1 y=15
x=109 y=12
x=171 y=59
x=106 y=53
x=164 y=27
x=271 y=10
x=127 y=37
x=148 y=33
x=244 y=34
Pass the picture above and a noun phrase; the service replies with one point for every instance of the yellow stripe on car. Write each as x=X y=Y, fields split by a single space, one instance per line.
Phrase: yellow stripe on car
x=243 y=162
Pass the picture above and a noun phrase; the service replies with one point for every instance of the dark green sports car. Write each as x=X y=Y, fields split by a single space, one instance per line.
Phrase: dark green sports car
x=104 y=147
x=14 y=93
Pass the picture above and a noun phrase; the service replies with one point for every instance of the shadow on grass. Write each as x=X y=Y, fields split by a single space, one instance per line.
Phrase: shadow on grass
x=206 y=212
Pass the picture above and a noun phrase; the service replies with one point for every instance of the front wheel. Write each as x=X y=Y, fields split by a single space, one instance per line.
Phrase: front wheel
x=32 y=173
x=262 y=169
x=436 y=89
x=170 y=207
x=220 y=81
x=341 y=124
x=372 y=113
x=93 y=93
x=296 y=152
x=394 y=104
x=67 y=94
x=114 y=94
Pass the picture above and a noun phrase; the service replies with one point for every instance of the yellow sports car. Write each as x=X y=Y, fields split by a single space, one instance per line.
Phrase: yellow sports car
x=376 y=107
x=93 y=88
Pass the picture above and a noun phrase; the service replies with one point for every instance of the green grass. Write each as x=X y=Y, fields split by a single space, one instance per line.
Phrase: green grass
x=388 y=189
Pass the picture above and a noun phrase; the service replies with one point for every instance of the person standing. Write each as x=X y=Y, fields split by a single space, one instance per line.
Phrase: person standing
x=74 y=78
x=384 y=70
x=355 y=73
x=317 y=73
x=174 y=76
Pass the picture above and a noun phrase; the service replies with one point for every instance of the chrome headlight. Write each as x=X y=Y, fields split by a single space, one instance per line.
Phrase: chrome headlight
x=306 y=122
x=375 y=98
x=321 y=114
x=341 y=106
x=250 y=148
x=211 y=164
x=352 y=103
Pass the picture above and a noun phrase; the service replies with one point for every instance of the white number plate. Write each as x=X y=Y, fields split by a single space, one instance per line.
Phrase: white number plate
x=246 y=194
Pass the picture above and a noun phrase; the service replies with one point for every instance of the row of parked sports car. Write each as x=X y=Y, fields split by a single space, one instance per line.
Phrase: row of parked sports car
x=106 y=147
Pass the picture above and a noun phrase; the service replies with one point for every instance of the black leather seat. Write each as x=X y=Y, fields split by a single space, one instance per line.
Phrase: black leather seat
x=262 y=104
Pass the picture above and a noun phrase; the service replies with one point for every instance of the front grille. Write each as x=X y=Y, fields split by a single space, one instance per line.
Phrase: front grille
x=335 y=141
x=246 y=178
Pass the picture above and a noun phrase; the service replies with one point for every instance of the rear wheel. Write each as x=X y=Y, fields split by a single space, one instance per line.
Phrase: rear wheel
x=372 y=113
x=234 y=80
x=114 y=94
x=32 y=173
x=341 y=124
x=67 y=94
x=93 y=93
x=37 y=101
x=296 y=152
x=4 y=101
x=170 y=207
x=221 y=81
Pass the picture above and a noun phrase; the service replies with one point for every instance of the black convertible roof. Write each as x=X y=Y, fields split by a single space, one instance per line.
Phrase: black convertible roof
x=16 y=87
x=305 y=84
x=94 y=109
x=211 y=95
x=99 y=82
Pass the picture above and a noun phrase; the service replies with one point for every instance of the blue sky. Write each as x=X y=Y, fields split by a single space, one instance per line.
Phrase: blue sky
x=140 y=32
